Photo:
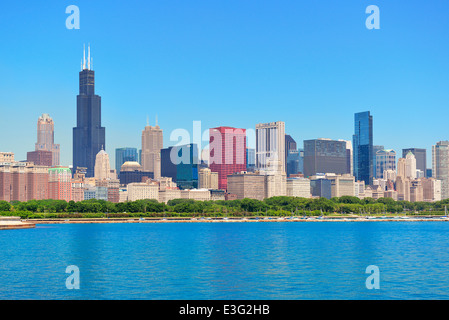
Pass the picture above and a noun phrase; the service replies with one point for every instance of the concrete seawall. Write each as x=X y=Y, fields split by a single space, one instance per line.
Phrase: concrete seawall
x=10 y=223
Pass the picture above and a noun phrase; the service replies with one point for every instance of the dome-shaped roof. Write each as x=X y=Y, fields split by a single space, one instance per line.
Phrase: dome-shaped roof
x=130 y=166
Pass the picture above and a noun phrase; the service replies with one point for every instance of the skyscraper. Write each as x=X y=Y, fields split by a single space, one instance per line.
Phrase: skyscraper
x=375 y=149
x=410 y=165
x=88 y=135
x=421 y=158
x=440 y=166
x=45 y=138
x=325 y=156
x=227 y=147
x=181 y=164
x=363 y=147
x=385 y=160
x=270 y=144
x=123 y=155
x=152 y=144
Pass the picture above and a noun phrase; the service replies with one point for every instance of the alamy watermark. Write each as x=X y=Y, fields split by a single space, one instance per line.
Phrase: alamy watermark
x=72 y=281
x=373 y=281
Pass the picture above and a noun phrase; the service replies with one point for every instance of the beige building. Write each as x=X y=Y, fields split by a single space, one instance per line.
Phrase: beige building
x=440 y=166
x=169 y=194
x=298 y=187
x=45 y=138
x=6 y=157
x=123 y=195
x=152 y=144
x=341 y=185
x=431 y=189
x=196 y=194
x=403 y=188
x=247 y=185
x=166 y=183
x=207 y=179
x=102 y=167
x=142 y=190
x=275 y=179
x=416 y=191
x=410 y=166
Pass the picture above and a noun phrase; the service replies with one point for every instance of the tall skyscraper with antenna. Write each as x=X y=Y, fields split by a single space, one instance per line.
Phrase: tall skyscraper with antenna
x=88 y=135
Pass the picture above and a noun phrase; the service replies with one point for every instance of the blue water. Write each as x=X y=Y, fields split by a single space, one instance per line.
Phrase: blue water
x=286 y=260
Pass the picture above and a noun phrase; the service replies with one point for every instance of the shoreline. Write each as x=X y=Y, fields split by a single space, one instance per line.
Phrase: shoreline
x=229 y=220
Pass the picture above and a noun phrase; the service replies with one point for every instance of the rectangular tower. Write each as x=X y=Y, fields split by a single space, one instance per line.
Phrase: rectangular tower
x=363 y=147
x=88 y=135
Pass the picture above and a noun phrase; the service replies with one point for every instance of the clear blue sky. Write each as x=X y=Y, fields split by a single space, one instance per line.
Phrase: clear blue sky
x=312 y=64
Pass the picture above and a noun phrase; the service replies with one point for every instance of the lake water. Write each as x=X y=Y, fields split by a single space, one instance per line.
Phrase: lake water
x=285 y=260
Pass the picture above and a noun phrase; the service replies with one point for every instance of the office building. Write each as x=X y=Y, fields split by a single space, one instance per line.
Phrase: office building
x=321 y=188
x=247 y=185
x=298 y=187
x=440 y=166
x=45 y=140
x=385 y=160
x=123 y=155
x=363 y=147
x=207 y=179
x=181 y=164
x=227 y=152
x=270 y=144
x=40 y=158
x=152 y=143
x=133 y=172
x=325 y=156
x=421 y=158
x=88 y=135
x=410 y=166
x=60 y=183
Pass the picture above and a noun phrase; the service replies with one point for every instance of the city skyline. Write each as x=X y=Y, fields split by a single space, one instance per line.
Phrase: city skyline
x=405 y=81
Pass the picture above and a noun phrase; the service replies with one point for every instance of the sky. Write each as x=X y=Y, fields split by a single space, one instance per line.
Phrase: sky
x=311 y=64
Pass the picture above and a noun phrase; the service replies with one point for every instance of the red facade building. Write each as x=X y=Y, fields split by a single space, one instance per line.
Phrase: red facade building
x=227 y=148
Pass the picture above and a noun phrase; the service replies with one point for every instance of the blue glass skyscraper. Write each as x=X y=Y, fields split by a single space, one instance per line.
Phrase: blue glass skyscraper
x=363 y=147
x=124 y=154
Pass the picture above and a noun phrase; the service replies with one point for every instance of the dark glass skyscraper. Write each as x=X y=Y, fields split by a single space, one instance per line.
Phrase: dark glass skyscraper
x=363 y=147
x=185 y=174
x=123 y=155
x=88 y=135
x=325 y=156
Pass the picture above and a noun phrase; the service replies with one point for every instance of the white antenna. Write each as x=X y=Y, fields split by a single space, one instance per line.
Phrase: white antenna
x=88 y=57
x=84 y=56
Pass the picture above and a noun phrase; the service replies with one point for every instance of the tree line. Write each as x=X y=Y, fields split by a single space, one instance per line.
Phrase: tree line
x=275 y=206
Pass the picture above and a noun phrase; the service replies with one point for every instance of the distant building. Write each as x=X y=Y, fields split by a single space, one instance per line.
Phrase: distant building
x=410 y=166
x=363 y=147
x=321 y=188
x=40 y=158
x=196 y=194
x=440 y=166
x=133 y=172
x=270 y=144
x=375 y=149
x=142 y=190
x=88 y=135
x=298 y=187
x=227 y=152
x=208 y=179
x=421 y=158
x=250 y=159
x=102 y=166
x=325 y=156
x=152 y=143
x=181 y=164
x=123 y=155
x=45 y=140
x=60 y=183
x=6 y=157
x=385 y=160
x=247 y=185
x=293 y=162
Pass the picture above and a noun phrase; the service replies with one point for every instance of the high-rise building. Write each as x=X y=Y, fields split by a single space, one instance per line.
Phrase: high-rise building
x=123 y=155
x=133 y=172
x=270 y=144
x=293 y=161
x=250 y=159
x=207 y=179
x=103 y=166
x=60 y=183
x=421 y=158
x=440 y=166
x=363 y=147
x=385 y=160
x=410 y=166
x=40 y=157
x=349 y=156
x=325 y=156
x=88 y=135
x=181 y=164
x=290 y=144
x=227 y=148
x=247 y=185
x=375 y=149
x=45 y=138
x=152 y=143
